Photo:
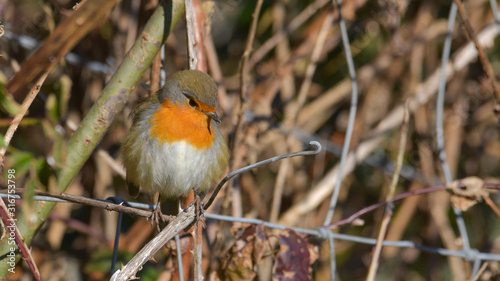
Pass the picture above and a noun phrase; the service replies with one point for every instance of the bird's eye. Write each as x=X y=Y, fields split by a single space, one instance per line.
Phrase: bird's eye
x=192 y=103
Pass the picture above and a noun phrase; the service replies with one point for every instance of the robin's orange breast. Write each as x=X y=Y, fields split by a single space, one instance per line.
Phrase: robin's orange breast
x=172 y=123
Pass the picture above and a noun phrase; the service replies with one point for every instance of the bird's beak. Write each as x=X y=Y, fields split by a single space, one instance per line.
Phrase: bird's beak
x=214 y=116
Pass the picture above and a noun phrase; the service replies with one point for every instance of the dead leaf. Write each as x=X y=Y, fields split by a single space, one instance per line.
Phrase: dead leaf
x=467 y=192
x=293 y=260
x=245 y=253
x=313 y=253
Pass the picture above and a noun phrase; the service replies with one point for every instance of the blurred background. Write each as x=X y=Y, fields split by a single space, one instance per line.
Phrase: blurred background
x=397 y=50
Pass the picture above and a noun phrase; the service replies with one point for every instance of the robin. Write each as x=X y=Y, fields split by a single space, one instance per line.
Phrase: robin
x=174 y=145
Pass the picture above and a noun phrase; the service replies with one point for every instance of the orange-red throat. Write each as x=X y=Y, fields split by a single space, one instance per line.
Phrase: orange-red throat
x=172 y=123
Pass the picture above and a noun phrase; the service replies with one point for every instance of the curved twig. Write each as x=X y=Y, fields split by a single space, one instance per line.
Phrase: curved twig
x=313 y=144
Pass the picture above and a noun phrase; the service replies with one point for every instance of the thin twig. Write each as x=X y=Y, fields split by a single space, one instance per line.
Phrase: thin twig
x=80 y=226
x=316 y=146
x=492 y=205
x=480 y=271
x=278 y=36
x=482 y=54
x=236 y=158
x=402 y=146
x=25 y=251
x=390 y=195
x=115 y=165
x=98 y=203
x=190 y=26
x=19 y=116
x=246 y=55
x=311 y=67
x=216 y=72
x=198 y=254
x=370 y=208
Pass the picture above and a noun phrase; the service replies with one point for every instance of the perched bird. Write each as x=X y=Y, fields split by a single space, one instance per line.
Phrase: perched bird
x=174 y=145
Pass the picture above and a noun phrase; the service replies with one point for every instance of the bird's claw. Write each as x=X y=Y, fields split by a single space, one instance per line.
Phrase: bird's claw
x=199 y=210
x=157 y=216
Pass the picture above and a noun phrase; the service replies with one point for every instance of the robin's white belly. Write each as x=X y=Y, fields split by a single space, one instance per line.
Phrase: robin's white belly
x=177 y=168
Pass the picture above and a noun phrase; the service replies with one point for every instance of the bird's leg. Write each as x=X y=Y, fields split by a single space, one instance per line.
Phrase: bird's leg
x=195 y=200
x=198 y=208
x=157 y=215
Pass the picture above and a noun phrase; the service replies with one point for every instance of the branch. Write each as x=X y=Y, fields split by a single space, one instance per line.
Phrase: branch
x=183 y=220
x=190 y=26
x=482 y=54
x=19 y=117
x=25 y=251
x=390 y=195
x=195 y=21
